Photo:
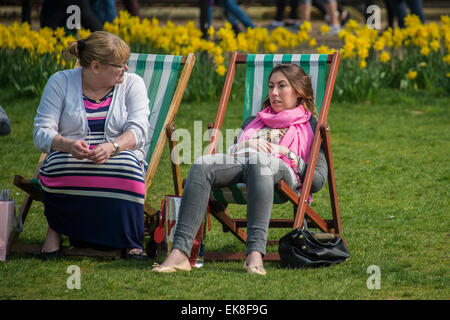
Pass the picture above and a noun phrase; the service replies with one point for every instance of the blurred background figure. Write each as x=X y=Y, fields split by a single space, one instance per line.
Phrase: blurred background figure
x=279 y=17
x=343 y=14
x=132 y=6
x=329 y=7
x=233 y=13
x=331 y=10
x=415 y=6
x=204 y=16
x=105 y=10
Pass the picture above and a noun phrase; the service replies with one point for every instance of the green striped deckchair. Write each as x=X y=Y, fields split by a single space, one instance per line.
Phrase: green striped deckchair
x=258 y=68
x=160 y=74
x=165 y=85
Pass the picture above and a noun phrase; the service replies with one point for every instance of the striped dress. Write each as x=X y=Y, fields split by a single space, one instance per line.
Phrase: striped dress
x=99 y=206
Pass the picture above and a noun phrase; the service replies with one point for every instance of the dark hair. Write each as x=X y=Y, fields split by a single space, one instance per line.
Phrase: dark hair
x=301 y=83
x=101 y=46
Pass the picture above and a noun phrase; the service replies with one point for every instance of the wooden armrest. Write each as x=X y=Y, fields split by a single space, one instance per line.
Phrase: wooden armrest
x=26 y=185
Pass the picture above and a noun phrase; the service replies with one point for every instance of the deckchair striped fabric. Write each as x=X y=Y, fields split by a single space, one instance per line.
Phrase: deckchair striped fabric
x=160 y=74
x=258 y=68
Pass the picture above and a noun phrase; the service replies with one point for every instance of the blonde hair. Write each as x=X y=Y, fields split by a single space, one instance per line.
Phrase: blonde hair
x=301 y=83
x=100 y=46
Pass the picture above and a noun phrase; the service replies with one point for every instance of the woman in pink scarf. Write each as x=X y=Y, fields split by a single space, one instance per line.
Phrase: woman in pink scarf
x=273 y=146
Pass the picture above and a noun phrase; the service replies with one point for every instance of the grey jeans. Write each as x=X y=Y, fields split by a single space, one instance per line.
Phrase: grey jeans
x=259 y=171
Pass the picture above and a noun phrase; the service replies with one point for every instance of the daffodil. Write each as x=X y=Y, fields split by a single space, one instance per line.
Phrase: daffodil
x=324 y=29
x=352 y=25
x=435 y=45
x=425 y=51
x=379 y=44
x=221 y=70
x=322 y=49
x=446 y=59
x=384 y=57
x=211 y=31
x=411 y=75
x=306 y=26
x=84 y=33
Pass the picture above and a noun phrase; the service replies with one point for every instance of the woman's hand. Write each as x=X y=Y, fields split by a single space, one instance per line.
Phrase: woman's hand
x=279 y=149
x=258 y=144
x=79 y=149
x=101 y=153
x=262 y=145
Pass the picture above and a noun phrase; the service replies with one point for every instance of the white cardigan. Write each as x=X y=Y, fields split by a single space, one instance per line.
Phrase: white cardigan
x=61 y=110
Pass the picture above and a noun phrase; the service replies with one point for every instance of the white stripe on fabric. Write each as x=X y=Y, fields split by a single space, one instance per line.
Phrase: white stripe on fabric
x=125 y=157
x=93 y=193
x=258 y=80
x=277 y=59
x=96 y=114
x=85 y=172
x=149 y=67
x=296 y=59
x=314 y=72
x=70 y=165
x=159 y=99
x=132 y=62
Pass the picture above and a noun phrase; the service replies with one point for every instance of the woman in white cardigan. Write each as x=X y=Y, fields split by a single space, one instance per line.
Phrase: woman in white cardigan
x=92 y=122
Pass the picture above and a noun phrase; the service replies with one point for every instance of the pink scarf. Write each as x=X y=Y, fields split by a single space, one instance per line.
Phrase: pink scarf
x=299 y=136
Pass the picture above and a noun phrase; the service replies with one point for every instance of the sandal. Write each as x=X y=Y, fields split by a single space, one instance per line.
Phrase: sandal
x=136 y=254
x=254 y=269
x=184 y=266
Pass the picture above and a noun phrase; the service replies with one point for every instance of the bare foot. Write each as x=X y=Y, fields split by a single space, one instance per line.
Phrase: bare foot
x=254 y=258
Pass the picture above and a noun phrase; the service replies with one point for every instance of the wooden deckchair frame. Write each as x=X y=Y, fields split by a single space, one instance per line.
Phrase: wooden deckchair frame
x=188 y=63
x=303 y=209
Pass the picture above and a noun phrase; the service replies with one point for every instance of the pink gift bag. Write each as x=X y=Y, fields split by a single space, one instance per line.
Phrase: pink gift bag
x=7 y=221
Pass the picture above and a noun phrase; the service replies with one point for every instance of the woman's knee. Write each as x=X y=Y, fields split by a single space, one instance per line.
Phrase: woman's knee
x=198 y=170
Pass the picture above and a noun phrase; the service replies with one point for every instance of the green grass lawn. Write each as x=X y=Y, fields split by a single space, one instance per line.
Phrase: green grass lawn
x=392 y=172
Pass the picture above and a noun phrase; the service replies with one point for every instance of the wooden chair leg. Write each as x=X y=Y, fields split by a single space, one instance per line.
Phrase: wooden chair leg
x=26 y=204
x=325 y=132
x=174 y=160
x=23 y=212
x=229 y=225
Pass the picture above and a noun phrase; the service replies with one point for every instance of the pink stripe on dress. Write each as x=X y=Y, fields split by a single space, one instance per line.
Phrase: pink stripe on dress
x=97 y=118
x=94 y=182
x=94 y=106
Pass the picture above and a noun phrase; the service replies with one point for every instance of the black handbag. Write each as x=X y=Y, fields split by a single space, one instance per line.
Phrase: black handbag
x=302 y=248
